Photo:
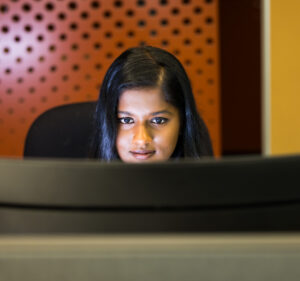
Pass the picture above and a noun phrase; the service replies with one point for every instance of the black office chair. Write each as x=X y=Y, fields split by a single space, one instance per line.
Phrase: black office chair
x=62 y=132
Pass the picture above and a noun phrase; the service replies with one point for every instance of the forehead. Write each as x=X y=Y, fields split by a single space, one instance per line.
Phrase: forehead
x=147 y=99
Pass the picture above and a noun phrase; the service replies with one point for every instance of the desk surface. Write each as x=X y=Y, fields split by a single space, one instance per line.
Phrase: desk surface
x=151 y=257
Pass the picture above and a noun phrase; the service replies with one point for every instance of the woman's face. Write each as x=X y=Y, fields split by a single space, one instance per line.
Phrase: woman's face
x=148 y=126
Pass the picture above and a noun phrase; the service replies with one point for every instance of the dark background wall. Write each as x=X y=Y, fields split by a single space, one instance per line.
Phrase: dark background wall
x=240 y=45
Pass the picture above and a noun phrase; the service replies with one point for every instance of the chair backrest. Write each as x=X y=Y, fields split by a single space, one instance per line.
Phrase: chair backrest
x=61 y=132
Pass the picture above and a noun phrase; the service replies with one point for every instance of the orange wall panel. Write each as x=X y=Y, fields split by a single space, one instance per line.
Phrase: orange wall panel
x=57 y=52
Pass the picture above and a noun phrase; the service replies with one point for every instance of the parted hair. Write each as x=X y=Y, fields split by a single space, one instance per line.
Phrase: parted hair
x=148 y=67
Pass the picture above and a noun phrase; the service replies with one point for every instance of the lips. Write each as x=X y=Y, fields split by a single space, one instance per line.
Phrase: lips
x=142 y=154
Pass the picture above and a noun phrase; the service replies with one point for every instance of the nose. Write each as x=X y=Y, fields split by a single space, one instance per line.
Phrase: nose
x=142 y=136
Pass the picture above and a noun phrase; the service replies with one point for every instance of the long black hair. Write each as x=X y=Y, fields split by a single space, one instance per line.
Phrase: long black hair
x=149 y=67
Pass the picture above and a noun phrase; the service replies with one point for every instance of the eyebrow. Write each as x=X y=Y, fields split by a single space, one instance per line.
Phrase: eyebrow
x=162 y=112
x=124 y=112
x=153 y=114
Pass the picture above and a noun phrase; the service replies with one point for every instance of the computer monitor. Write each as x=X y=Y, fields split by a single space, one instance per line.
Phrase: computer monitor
x=88 y=197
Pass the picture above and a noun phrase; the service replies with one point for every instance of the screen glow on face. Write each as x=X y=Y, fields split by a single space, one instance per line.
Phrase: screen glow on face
x=148 y=126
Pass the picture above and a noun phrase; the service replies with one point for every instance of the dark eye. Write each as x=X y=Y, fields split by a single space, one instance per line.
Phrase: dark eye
x=159 y=120
x=126 y=120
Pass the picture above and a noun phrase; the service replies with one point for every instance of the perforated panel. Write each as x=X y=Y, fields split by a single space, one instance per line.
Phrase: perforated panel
x=57 y=52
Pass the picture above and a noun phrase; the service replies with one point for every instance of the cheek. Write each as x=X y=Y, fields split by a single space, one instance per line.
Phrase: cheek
x=167 y=140
x=123 y=141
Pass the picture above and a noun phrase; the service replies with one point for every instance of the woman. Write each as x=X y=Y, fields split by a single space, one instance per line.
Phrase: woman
x=146 y=111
